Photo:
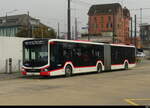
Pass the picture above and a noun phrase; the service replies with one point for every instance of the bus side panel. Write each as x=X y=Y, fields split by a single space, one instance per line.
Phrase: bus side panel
x=107 y=57
x=118 y=57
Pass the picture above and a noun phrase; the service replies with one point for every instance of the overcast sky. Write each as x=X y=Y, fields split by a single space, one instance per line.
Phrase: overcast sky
x=52 y=11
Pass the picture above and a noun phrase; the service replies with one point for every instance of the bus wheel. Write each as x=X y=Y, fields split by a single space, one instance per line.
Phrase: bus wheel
x=126 y=66
x=99 y=68
x=68 y=71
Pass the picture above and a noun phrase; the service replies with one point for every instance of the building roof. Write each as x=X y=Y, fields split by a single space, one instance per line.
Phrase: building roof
x=145 y=25
x=104 y=8
x=126 y=12
x=17 y=20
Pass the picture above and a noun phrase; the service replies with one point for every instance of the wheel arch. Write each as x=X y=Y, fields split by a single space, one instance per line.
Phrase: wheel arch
x=69 y=63
x=126 y=61
x=100 y=62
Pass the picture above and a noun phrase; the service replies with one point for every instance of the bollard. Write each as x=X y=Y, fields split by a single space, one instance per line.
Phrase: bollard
x=19 y=65
x=10 y=65
x=6 y=66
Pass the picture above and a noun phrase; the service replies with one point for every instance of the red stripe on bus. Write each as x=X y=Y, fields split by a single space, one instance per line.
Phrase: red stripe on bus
x=44 y=73
x=48 y=72
x=52 y=42
x=117 y=64
x=121 y=64
x=84 y=66
x=24 y=73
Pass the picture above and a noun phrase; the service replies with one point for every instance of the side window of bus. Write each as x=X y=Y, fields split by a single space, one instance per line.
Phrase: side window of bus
x=115 y=54
x=67 y=50
x=99 y=52
x=86 y=53
x=78 y=52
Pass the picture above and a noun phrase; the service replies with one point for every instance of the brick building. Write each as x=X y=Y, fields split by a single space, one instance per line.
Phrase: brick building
x=110 y=21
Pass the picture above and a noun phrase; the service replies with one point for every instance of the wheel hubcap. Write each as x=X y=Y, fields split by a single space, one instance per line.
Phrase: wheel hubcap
x=68 y=71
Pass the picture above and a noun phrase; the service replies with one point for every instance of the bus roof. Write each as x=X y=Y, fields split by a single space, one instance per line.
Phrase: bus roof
x=76 y=41
x=90 y=42
x=80 y=41
x=123 y=45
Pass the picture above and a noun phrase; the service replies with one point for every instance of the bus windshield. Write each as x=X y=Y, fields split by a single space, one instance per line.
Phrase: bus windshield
x=35 y=55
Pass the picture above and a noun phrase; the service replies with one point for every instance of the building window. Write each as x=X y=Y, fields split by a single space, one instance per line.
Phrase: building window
x=102 y=26
x=102 y=19
x=95 y=26
x=118 y=26
x=109 y=25
x=11 y=20
x=95 y=19
x=1 y=21
x=145 y=32
x=109 y=18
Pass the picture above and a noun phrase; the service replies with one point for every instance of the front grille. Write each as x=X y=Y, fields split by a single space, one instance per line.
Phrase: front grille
x=33 y=70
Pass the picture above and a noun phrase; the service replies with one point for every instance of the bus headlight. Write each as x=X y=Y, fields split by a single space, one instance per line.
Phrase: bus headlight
x=23 y=70
x=45 y=70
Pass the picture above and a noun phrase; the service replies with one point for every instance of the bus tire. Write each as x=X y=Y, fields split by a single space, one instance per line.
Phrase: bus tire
x=99 y=68
x=126 y=67
x=68 y=71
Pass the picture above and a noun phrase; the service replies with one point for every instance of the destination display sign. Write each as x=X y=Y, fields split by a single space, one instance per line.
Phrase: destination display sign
x=35 y=42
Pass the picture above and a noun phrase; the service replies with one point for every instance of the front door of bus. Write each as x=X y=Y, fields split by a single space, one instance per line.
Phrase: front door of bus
x=107 y=57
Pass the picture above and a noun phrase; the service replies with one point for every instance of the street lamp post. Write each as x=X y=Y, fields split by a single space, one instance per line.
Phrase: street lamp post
x=58 y=35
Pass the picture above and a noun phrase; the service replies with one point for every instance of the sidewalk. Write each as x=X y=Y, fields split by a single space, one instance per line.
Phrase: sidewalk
x=143 y=62
x=14 y=75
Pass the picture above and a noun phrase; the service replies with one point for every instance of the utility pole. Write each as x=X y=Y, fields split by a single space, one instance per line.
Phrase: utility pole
x=73 y=34
x=69 y=21
x=113 y=25
x=135 y=32
x=28 y=25
x=89 y=30
x=6 y=23
x=76 y=29
x=58 y=31
x=141 y=15
x=131 y=30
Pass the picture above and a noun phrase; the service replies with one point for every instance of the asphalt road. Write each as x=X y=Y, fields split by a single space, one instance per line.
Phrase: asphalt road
x=131 y=87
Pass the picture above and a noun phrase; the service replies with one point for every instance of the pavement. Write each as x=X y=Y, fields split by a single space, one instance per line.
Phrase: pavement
x=123 y=87
x=15 y=75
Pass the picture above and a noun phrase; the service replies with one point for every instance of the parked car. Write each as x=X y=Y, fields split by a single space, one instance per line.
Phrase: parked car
x=140 y=54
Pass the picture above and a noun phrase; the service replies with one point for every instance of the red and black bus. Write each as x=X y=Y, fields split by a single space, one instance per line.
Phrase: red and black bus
x=52 y=57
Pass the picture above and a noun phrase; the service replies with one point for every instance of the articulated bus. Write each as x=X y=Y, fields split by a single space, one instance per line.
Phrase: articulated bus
x=53 y=57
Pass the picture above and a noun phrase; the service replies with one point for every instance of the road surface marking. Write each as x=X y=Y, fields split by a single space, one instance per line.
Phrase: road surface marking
x=131 y=101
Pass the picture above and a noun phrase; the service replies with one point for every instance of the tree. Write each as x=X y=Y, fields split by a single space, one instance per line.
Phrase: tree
x=22 y=33
x=44 y=32
x=40 y=31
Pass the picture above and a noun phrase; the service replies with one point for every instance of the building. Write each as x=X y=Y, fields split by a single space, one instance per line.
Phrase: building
x=109 y=21
x=145 y=35
x=10 y=25
x=145 y=38
x=137 y=42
